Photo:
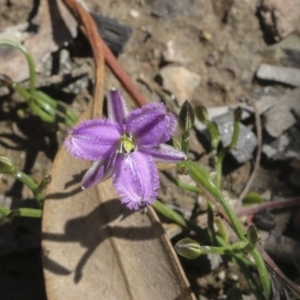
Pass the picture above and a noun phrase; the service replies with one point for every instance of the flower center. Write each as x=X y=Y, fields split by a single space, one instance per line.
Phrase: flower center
x=127 y=143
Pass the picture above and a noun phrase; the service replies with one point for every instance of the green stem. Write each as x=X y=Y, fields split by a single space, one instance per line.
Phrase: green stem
x=214 y=134
x=185 y=141
x=169 y=213
x=210 y=223
x=263 y=272
x=183 y=185
x=244 y=264
x=4 y=211
x=45 y=116
x=235 y=135
x=44 y=109
x=191 y=249
x=21 y=176
x=29 y=61
x=26 y=180
x=47 y=113
x=22 y=91
x=201 y=177
x=240 y=258
x=55 y=104
x=235 y=248
x=224 y=151
x=176 y=217
x=219 y=172
x=27 y=212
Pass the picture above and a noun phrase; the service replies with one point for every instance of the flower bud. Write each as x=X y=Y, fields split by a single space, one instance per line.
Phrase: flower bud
x=188 y=248
x=252 y=234
x=237 y=114
x=6 y=166
x=186 y=117
x=201 y=113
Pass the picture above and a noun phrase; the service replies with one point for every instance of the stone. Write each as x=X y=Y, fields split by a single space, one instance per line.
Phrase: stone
x=56 y=27
x=285 y=147
x=134 y=13
x=242 y=59
x=280 y=117
x=214 y=112
x=180 y=82
x=290 y=76
x=247 y=140
x=286 y=52
x=280 y=18
x=172 y=53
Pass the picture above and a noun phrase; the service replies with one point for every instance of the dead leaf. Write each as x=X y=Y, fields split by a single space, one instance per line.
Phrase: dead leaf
x=104 y=249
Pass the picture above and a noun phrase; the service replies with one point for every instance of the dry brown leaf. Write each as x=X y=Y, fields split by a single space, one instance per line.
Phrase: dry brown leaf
x=96 y=248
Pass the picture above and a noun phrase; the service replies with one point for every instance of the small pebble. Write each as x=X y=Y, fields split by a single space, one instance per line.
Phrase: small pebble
x=221 y=275
x=264 y=220
x=134 y=13
x=234 y=277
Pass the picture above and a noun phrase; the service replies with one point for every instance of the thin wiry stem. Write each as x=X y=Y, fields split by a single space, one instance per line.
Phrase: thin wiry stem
x=29 y=59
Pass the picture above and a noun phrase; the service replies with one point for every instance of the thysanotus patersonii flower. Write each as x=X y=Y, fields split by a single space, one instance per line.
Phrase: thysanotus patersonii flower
x=126 y=146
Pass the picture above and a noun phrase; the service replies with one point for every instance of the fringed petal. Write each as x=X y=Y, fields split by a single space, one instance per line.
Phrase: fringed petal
x=92 y=139
x=136 y=180
x=116 y=107
x=164 y=153
x=151 y=124
x=99 y=171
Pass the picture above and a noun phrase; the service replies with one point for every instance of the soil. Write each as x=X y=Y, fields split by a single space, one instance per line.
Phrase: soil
x=222 y=41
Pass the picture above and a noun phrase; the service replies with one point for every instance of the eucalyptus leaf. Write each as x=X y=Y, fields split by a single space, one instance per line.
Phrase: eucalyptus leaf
x=108 y=251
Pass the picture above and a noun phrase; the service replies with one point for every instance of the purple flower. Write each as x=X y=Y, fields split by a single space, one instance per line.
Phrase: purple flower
x=126 y=146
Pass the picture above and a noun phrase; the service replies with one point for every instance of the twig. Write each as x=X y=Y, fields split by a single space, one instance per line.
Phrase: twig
x=124 y=78
x=259 y=148
x=98 y=44
x=275 y=269
x=90 y=30
x=284 y=203
x=247 y=211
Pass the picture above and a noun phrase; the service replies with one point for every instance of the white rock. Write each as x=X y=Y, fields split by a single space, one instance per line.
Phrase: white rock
x=180 y=81
x=134 y=13
x=222 y=275
x=172 y=53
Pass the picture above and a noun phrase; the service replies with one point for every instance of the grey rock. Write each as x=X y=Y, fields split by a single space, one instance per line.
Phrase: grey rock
x=285 y=147
x=290 y=76
x=286 y=52
x=247 y=140
x=215 y=112
x=279 y=118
